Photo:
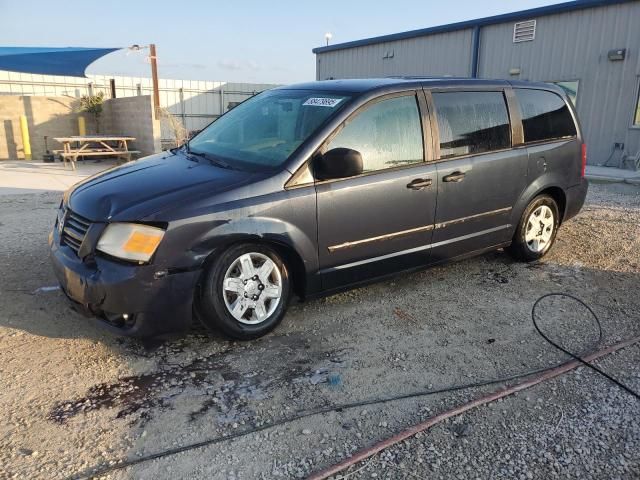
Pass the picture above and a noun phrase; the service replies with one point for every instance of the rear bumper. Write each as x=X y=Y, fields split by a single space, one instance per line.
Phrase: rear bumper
x=575 y=199
x=108 y=290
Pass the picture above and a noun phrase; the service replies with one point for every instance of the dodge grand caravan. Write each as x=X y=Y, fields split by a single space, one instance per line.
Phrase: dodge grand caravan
x=312 y=188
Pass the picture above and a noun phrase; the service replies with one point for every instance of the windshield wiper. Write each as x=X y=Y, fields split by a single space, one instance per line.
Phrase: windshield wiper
x=187 y=152
x=190 y=154
x=213 y=161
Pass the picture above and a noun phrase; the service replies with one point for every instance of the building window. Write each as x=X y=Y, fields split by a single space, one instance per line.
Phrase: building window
x=570 y=88
x=545 y=116
x=524 y=31
x=471 y=123
x=636 y=117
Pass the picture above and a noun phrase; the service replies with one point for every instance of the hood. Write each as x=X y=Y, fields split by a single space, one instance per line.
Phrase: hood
x=138 y=189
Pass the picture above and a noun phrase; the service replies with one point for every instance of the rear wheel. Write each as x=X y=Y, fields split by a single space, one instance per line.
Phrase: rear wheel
x=245 y=292
x=537 y=229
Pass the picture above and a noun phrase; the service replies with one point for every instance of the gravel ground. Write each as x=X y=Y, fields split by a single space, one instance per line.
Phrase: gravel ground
x=575 y=427
x=77 y=399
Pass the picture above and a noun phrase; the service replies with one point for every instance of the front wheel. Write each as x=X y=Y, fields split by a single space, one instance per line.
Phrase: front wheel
x=245 y=292
x=537 y=229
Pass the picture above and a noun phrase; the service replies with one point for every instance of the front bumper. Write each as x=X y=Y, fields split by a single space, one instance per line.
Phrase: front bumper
x=108 y=289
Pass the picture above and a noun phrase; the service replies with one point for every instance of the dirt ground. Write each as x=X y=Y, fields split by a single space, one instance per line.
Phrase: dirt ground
x=76 y=399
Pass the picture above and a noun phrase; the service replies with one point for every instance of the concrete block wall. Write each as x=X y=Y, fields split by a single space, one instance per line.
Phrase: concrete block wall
x=51 y=116
x=58 y=117
x=133 y=116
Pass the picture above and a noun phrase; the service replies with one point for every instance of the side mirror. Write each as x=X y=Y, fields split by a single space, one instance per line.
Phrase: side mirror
x=337 y=163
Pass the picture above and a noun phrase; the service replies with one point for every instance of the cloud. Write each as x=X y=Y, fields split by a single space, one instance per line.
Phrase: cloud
x=229 y=65
x=280 y=68
x=238 y=65
x=198 y=66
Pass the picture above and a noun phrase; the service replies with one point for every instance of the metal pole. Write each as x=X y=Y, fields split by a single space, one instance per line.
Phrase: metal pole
x=475 y=51
x=154 y=78
x=82 y=126
x=112 y=85
x=26 y=143
x=182 y=109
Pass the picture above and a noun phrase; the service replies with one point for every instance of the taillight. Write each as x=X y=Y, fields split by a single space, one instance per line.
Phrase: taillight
x=584 y=160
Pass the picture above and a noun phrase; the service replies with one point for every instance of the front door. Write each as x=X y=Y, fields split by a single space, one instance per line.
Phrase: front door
x=480 y=177
x=381 y=221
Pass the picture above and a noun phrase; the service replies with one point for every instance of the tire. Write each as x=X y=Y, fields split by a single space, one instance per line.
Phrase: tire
x=238 y=298
x=536 y=230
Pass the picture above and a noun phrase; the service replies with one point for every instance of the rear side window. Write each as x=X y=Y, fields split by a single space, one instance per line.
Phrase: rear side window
x=387 y=134
x=472 y=122
x=545 y=115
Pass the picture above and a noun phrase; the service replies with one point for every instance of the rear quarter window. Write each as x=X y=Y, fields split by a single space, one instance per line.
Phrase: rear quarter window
x=545 y=115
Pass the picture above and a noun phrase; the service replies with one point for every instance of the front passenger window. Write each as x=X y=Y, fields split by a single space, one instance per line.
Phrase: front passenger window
x=387 y=134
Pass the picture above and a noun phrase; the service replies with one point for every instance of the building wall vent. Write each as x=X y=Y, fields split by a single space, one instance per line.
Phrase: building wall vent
x=524 y=31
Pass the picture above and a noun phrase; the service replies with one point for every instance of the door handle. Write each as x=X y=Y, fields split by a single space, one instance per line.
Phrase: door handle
x=454 y=177
x=419 y=183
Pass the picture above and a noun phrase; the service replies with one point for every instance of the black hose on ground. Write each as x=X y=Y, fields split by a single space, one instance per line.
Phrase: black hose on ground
x=573 y=355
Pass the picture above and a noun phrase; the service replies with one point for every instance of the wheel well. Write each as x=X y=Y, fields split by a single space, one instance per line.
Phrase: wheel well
x=295 y=265
x=559 y=196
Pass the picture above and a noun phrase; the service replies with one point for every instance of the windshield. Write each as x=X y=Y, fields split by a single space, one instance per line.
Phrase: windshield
x=262 y=132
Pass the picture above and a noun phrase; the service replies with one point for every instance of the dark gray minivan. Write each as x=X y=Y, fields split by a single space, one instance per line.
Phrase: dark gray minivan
x=313 y=188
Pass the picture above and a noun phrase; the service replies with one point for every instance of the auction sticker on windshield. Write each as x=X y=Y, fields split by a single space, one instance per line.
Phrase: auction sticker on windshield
x=322 y=102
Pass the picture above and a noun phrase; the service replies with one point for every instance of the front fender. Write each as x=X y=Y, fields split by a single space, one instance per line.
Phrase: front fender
x=263 y=229
x=285 y=218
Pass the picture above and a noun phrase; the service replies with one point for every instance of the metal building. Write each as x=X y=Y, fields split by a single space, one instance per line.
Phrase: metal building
x=589 y=47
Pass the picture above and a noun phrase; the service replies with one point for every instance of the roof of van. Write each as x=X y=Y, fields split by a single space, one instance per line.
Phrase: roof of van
x=361 y=85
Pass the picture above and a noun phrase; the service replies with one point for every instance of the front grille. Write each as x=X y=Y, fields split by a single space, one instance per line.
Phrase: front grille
x=74 y=230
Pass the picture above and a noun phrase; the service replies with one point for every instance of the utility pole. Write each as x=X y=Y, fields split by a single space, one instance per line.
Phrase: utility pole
x=154 y=79
x=153 y=60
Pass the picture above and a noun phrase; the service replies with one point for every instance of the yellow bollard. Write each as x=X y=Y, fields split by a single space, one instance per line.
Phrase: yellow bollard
x=82 y=127
x=26 y=144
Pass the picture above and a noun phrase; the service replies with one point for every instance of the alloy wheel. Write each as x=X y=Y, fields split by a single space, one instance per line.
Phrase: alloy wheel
x=540 y=227
x=252 y=288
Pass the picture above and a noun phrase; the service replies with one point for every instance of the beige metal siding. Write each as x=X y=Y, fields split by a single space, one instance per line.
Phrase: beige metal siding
x=574 y=46
x=444 y=54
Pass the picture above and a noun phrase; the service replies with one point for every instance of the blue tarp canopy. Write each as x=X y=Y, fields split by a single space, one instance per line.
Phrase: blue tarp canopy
x=69 y=61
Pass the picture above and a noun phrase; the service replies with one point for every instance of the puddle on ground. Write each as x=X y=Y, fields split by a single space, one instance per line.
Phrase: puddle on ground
x=227 y=381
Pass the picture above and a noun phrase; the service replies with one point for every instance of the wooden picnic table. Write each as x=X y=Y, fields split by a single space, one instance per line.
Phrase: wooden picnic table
x=93 y=146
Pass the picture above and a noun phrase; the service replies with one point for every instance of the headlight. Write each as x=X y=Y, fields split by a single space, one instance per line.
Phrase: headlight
x=130 y=241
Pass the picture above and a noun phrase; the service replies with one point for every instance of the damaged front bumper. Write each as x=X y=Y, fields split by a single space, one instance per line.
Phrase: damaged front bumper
x=129 y=299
